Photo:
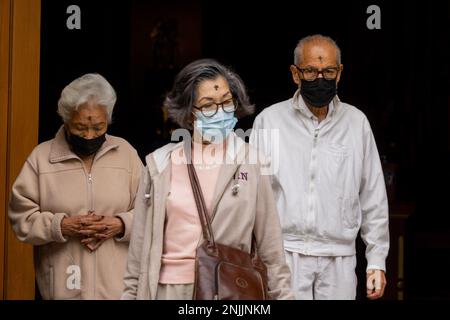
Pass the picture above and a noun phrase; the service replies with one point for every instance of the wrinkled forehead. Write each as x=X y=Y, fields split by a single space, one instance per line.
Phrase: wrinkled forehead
x=89 y=113
x=319 y=53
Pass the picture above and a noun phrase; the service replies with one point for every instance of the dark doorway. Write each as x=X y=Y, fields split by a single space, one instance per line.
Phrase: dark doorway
x=398 y=76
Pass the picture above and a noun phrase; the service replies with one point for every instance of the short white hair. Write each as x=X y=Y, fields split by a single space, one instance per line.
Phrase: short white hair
x=90 y=87
x=314 y=38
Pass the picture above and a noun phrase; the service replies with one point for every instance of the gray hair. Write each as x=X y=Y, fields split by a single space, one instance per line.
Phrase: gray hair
x=179 y=101
x=314 y=38
x=90 y=87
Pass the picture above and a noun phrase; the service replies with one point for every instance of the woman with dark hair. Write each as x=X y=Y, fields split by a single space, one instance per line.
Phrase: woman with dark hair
x=205 y=102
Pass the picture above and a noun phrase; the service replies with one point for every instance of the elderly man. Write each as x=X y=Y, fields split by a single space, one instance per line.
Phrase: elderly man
x=329 y=183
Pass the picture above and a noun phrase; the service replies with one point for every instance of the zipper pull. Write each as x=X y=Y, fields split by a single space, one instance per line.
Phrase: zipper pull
x=316 y=133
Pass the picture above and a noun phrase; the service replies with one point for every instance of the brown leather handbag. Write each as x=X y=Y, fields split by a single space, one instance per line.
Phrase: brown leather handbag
x=223 y=272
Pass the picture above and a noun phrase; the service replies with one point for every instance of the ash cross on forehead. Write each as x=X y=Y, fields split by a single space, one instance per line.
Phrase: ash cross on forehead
x=216 y=87
x=89 y=118
x=320 y=58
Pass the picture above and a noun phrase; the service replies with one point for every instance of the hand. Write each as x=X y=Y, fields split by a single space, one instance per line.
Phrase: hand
x=101 y=230
x=376 y=282
x=72 y=226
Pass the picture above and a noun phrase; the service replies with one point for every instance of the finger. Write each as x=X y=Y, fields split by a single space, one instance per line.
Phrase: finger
x=76 y=233
x=102 y=236
x=94 y=247
x=92 y=218
x=82 y=220
x=87 y=232
x=375 y=295
x=371 y=296
x=370 y=283
x=377 y=281
x=86 y=243
x=95 y=227
x=100 y=231
x=99 y=221
x=88 y=240
x=91 y=246
x=98 y=244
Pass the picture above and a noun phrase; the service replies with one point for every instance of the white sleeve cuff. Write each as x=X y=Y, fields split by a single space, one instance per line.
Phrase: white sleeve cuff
x=374 y=267
x=55 y=228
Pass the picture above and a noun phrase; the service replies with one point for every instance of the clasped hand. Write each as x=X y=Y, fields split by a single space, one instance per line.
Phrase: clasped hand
x=93 y=229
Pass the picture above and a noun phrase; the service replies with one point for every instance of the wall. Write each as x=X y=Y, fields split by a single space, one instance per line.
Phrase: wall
x=19 y=111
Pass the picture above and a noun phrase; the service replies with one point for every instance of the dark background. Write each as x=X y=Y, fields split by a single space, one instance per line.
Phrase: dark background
x=398 y=76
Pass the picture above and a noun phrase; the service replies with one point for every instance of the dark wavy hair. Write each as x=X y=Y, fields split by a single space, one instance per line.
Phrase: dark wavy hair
x=179 y=101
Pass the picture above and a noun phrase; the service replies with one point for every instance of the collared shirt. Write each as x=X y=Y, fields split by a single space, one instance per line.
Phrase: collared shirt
x=305 y=110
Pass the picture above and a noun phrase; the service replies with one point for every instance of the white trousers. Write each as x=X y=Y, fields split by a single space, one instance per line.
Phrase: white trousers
x=322 y=278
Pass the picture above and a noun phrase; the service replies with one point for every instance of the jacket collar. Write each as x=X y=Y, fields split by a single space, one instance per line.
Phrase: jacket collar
x=236 y=154
x=158 y=160
x=60 y=149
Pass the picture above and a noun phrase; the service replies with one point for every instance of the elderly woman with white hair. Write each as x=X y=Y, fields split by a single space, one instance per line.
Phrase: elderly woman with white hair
x=74 y=198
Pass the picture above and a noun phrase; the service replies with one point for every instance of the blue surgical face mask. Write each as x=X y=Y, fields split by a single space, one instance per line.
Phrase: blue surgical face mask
x=215 y=129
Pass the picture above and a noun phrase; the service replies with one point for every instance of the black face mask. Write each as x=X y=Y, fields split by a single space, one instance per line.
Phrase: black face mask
x=85 y=147
x=319 y=92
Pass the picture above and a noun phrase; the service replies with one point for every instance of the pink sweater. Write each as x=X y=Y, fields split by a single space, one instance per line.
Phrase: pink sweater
x=183 y=231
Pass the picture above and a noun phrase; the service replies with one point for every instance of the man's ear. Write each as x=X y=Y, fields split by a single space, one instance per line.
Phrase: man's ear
x=341 y=67
x=295 y=74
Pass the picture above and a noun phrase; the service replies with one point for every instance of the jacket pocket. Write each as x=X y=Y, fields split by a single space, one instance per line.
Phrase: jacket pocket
x=350 y=212
x=337 y=150
x=66 y=279
x=333 y=165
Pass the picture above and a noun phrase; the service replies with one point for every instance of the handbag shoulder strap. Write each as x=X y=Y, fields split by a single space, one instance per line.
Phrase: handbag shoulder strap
x=199 y=200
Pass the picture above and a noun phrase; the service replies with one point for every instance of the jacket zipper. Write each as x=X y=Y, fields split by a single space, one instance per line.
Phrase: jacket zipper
x=91 y=198
x=311 y=178
x=91 y=210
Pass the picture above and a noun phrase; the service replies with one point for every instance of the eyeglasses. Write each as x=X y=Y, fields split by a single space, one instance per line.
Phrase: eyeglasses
x=210 y=109
x=311 y=74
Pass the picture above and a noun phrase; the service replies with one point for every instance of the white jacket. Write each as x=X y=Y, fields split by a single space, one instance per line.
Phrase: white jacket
x=328 y=181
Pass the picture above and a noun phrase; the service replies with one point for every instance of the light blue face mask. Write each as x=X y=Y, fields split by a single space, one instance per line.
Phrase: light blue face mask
x=218 y=127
